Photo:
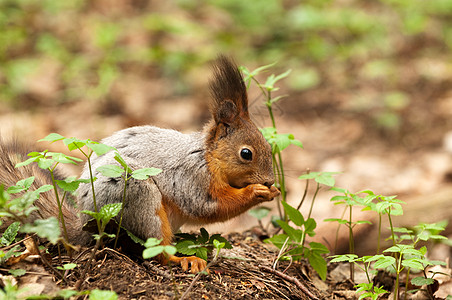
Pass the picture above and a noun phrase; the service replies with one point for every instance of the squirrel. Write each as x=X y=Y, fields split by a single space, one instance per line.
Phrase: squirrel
x=208 y=176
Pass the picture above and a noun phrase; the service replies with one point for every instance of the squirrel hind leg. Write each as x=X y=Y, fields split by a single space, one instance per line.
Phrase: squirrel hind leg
x=144 y=214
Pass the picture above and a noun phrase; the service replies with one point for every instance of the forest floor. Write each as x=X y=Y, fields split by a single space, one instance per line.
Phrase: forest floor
x=243 y=272
x=410 y=164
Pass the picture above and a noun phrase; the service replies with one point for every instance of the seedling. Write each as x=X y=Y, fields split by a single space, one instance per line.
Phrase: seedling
x=278 y=141
x=126 y=173
x=154 y=248
x=199 y=245
x=291 y=243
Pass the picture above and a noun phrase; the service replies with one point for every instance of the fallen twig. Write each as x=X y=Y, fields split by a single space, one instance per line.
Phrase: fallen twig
x=187 y=291
x=294 y=280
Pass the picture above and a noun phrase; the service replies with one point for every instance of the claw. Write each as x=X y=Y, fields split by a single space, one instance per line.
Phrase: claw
x=197 y=264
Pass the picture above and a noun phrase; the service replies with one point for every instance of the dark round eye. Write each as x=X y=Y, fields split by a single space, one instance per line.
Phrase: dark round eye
x=246 y=154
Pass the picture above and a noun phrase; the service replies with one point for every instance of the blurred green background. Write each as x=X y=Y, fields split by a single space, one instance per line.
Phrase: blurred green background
x=387 y=63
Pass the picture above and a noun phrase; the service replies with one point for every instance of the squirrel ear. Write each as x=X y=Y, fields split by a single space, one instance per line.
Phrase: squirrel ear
x=226 y=112
x=228 y=90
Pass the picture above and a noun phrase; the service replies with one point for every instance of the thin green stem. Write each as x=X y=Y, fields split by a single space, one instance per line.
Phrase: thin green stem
x=391 y=227
x=398 y=270
x=379 y=233
x=313 y=200
x=351 y=243
x=305 y=192
x=397 y=258
x=60 y=209
x=122 y=208
x=283 y=181
x=337 y=230
x=88 y=157
x=91 y=177
x=260 y=87
x=407 y=283
x=278 y=177
x=310 y=212
x=366 y=270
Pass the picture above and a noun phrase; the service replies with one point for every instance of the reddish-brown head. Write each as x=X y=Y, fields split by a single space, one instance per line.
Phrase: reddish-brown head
x=236 y=149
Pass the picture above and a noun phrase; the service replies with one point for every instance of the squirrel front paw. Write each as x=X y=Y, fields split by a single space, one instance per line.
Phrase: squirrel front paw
x=264 y=193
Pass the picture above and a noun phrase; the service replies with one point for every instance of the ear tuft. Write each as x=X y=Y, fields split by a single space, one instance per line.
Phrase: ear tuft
x=228 y=90
x=226 y=112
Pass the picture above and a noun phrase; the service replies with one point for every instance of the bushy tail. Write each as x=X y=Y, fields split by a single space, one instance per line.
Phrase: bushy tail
x=13 y=153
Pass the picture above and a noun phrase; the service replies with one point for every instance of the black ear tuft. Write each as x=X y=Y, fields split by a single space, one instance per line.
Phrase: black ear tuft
x=228 y=90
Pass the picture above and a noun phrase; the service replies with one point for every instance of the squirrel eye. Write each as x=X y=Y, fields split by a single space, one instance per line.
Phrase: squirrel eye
x=246 y=154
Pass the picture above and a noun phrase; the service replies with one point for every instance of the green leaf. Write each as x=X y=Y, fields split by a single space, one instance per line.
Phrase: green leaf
x=278 y=240
x=21 y=185
x=63 y=158
x=152 y=251
x=74 y=143
x=122 y=162
x=402 y=230
x=111 y=171
x=309 y=226
x=43 y=189
x=145 y=173
x=98 y=148
x=294 y=234
x=53 y=137
x=384 y=262
x=395 y=249
x=45 y=163
x=344 y=257
x=66 y=294
x=68 y=266
x=326 y=178
x=169 y=249
x=44 y=228
x=437 y=237
x=26 y=162
x=420 y=281
x=134 y=238
x=340 y=221
x=109 y=211
x=412 y=263
x=220 y=239
x=17 y=272
x=282 y=141
x=204 y=237
x=10 y=234
x=93 y=214
x=184 y=247
x=218 y=245
x=318 y=248
x=362 y=222
x=294 y=215
x=318 y=263
x=102 y=295
x=201 y=252
x=151 y=242
x=259 y=212
x=70 y=184
x=153 y=248
x=268 y=133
